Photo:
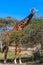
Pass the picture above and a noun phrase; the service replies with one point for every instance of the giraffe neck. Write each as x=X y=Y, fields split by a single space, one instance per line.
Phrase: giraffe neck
x=20 y=25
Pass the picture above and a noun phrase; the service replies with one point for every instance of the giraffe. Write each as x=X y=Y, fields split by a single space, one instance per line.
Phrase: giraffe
x=19 y=26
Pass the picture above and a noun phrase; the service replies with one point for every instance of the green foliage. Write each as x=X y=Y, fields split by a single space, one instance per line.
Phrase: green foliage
x=9 y=21
x=36 y=24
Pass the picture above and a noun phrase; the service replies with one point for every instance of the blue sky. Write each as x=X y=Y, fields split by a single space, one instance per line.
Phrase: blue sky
x=19 y=8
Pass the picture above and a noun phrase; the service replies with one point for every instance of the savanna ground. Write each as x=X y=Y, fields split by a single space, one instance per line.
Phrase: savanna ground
x=27 y=58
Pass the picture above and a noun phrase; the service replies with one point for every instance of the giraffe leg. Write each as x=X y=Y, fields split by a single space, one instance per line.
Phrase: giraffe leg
x=15 y=60
x=5 y=54
x=20 y=58
x=5 y=51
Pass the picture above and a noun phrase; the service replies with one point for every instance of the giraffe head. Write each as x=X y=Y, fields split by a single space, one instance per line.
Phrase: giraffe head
x=33 y=11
